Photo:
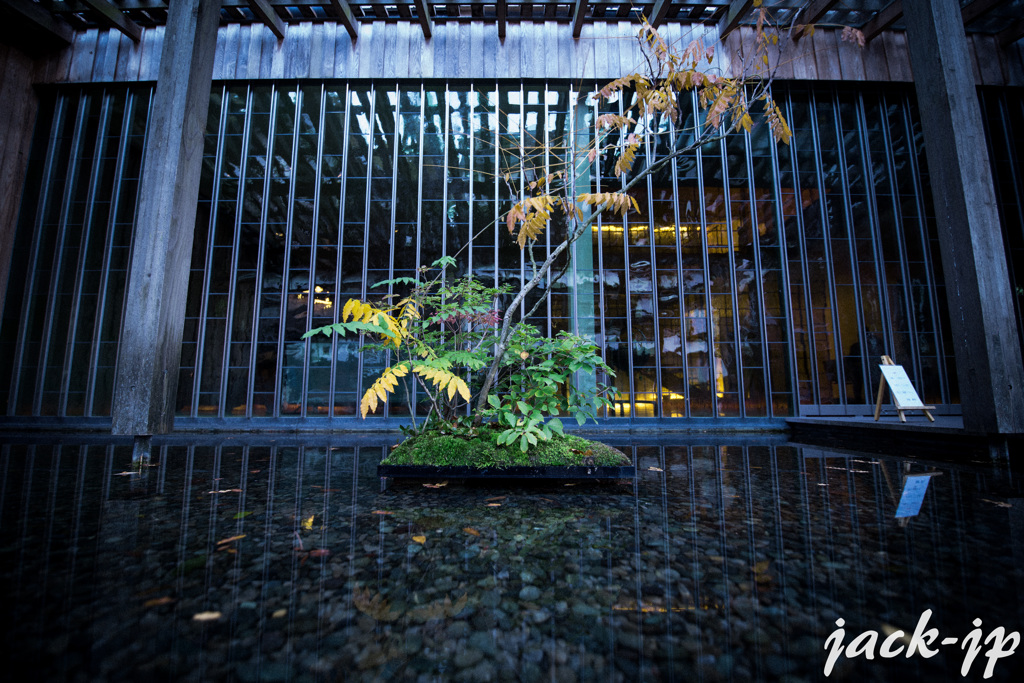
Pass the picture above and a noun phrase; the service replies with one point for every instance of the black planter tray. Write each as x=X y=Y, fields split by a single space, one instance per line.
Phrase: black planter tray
x=575 y=472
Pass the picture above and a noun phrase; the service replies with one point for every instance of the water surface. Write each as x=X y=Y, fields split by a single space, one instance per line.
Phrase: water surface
x=282 y=560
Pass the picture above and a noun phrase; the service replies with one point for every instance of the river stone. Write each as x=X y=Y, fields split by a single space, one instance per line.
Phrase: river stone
x=468 y=657
x=529 y=593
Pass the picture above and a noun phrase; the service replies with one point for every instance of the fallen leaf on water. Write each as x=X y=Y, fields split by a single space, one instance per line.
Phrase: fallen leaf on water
x=158 y=601
x=319 y=552
x=226 y=491
x=655 y=469
x=231 y=539
x=382 y=512
x=307 y=524
x=277 y=614
x=242 y=515
x=997 y=503
x=470 y=530
x=497 y=498
x=494 y=505
x=125 y=474
x=255 y=471
x=206 y=616
x=436 y=486
x=420 y=539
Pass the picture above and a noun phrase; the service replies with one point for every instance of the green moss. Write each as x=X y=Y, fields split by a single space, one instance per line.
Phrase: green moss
x=483 y=451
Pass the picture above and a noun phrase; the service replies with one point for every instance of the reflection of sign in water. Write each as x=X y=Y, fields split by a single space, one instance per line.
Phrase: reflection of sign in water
x=913 y=494
x=899 y=384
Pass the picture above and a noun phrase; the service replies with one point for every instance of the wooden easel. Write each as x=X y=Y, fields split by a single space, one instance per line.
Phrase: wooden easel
x=904 y=396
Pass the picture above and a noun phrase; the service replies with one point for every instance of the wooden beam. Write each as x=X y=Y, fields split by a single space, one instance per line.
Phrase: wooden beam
x=1011 y=34
x=149 y=348
x=423 y=13
x=882 y=20
x=974 y=259
x=34 y=14
x=115 y=18
x=659 y=12
x=577 y=18
x=266 y=14
x=344 y=14
x=978 y=9
x=812 y=15
x=733 y=15
x=502 y=8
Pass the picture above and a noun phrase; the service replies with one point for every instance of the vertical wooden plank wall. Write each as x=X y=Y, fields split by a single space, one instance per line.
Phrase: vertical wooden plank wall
x=540 y=50
x=18 y=105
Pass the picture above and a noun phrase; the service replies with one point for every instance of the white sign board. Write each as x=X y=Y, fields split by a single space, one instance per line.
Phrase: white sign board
x=913 y=495
x=903 y=392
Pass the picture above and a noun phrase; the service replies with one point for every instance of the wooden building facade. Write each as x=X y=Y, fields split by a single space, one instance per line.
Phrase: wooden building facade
x=325 y=146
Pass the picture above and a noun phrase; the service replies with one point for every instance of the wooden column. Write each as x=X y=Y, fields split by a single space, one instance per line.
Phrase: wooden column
x=978 y=288
x=18 y=106
x=146 y=381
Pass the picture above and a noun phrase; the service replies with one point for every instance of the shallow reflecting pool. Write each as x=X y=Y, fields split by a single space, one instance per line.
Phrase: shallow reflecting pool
x=282 y=560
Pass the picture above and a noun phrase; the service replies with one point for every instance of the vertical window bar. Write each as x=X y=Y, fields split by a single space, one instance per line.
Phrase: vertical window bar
x=677 y=218
x=708 y=314
x=755 y=237
x=901 y=229
x=108 y=245
x=396 y=117
x=733 y=286
x=313 y=245
x=786 y=294
x=372 y=96
x=627 y=280
x=547 y=282
x=497 y=175
x=472 y=181
x=447 y=170
x=86 y=230
x=826 y=237
x=332 y=381
x=650 y=150
x=879 y=256
x=225 y=364
x=851 y=243
x=202 y=328
x=286 y=266
x=260 y=259
x=599 y=225
x=37 y=238
x=74 y=164
x=926 y=252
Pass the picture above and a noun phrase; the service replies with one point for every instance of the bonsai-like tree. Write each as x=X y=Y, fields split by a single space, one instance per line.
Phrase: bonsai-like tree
x=445 y=332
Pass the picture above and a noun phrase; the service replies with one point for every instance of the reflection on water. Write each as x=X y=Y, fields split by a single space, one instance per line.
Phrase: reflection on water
x=274 y=562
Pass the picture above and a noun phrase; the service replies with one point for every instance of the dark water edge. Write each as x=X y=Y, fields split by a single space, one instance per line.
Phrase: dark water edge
x=725 y=560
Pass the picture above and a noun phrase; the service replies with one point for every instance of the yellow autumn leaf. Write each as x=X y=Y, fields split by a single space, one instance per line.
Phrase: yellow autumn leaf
x=206 y=616
x=420 y=539
x=307 y=524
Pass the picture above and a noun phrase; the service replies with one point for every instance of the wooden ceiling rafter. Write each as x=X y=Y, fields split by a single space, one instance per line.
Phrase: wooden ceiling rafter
x=268 y=17
x=423 y=15
x=812 y=15
x=115 y=18
x=734 y=14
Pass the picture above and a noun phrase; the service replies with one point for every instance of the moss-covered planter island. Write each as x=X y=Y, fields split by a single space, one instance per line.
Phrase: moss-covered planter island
x=451 y=457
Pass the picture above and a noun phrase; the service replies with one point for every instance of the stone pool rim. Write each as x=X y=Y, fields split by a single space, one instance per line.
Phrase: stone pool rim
x=547 y=472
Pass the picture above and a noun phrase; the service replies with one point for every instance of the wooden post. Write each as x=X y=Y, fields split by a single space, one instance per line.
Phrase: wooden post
x=149 y=354
x=978 y=287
